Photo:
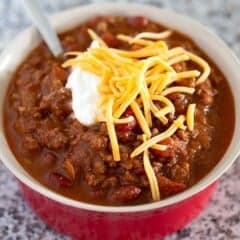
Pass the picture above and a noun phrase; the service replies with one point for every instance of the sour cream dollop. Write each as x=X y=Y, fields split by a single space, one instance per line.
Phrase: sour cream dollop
x=85 y=95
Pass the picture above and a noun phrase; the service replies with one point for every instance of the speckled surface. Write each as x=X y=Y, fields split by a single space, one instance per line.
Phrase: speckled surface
x=221 y=219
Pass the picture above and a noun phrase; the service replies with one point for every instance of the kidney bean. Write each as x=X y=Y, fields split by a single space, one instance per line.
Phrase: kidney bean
x=139 y=171
x=109 y=39
x=128 y=126
x=137 y=21
x=93 y=22
x=168 y=187
x=180 y=102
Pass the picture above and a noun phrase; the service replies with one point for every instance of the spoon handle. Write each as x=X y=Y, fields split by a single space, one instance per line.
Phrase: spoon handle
x=41 y=22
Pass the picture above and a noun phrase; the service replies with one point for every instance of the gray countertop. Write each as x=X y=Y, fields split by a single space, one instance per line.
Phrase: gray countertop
x=220 y=220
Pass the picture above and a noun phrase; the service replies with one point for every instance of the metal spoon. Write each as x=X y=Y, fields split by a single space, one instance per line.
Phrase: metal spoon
x=43 y=25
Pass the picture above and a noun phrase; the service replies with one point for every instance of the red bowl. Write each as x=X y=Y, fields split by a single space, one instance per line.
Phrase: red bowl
x=83 y=224
x=148 y=221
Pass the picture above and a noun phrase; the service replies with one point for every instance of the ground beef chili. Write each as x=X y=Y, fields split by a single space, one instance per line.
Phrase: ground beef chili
x=76 y=161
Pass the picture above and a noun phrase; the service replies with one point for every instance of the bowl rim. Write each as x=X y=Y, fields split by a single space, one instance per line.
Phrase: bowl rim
x=153 y=13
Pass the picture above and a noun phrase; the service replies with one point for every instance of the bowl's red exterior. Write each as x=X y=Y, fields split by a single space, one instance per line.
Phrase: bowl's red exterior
x=148 y=225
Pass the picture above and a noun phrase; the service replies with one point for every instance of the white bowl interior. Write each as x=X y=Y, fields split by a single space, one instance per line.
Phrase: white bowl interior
x=17 y=50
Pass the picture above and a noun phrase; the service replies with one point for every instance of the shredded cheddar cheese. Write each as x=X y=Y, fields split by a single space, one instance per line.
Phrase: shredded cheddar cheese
x=150 y=175
x=140 y=118
x=123 y=120
x=190 y=116
x=151 y=35
x=128 y=39
x=111 y=131
x=141 y=80
x=94 y=36
x=177 y=59
x=159 y=147
x=178 y=89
